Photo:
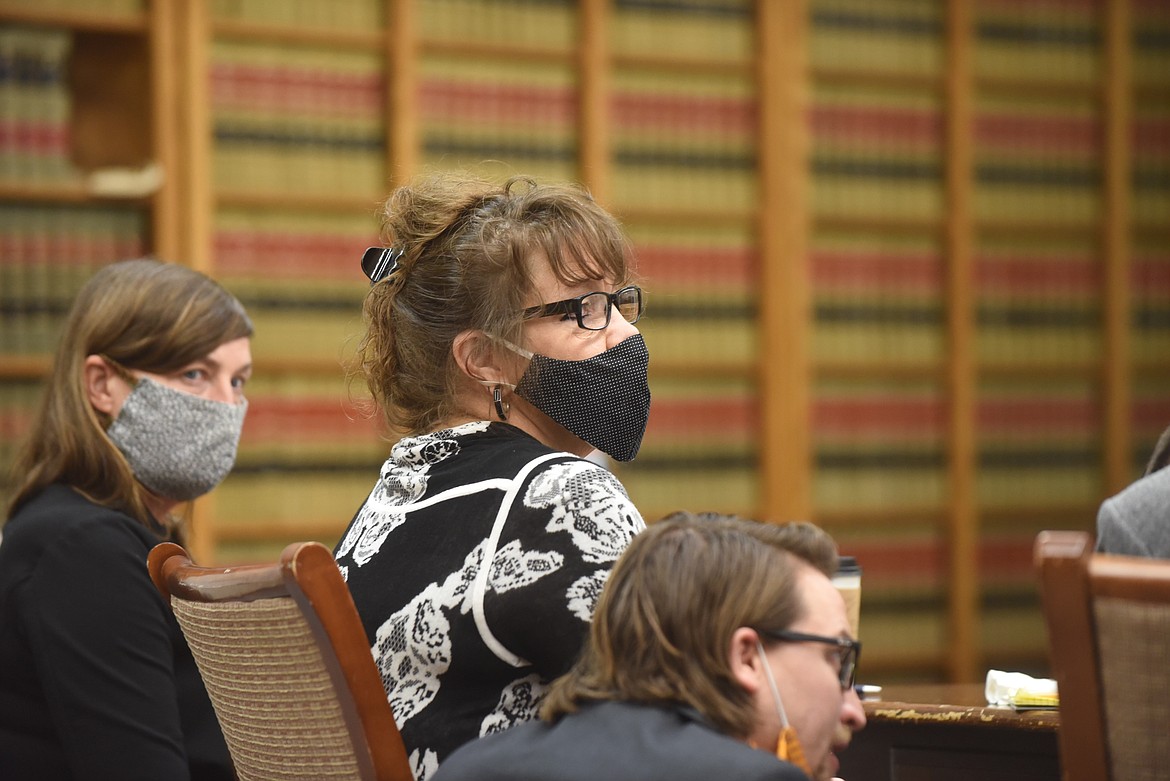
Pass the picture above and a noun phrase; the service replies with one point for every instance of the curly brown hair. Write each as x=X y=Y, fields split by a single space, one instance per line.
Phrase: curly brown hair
x=468 y=248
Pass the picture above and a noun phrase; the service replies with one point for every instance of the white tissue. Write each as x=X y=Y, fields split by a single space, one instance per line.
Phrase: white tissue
x=1007 y=688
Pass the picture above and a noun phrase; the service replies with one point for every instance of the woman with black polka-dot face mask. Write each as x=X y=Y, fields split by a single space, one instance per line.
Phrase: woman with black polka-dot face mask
x=501 y=341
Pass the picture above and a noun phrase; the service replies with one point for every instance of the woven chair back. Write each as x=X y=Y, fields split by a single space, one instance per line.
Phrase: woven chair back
x=287 y=666
x=1108 y=620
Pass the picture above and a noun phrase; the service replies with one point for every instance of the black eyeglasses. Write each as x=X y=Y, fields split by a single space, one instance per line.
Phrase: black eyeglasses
x=849 y=650
x=592 y=310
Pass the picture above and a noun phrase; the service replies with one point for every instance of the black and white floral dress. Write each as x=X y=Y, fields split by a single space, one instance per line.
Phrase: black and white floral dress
x=467 y=650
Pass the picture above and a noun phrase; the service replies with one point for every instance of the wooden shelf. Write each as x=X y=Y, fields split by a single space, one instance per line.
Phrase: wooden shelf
x=919 y=663
x=68 y=193
x=1065 y=515
x=1069 y=516
x=283 y=367
x=1148 y=230
x=835 y=370
x=1149 y=369
x=693 y=65
x=156 y=64
x=277 y=531
x=1028 y=87
x=1151 y=93
x=24 y=367
x=893 y=226
x=1044 y=229
x=715 y=218
x=75 y=20
x=472 y=50
x=856 y=76
x=652 y=514
x=1088 y=370
x=300 y=202
x=660 y=369
x=886 y=517
x=372 y=40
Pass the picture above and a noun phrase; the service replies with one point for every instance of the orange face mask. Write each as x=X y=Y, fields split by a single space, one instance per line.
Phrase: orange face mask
x=788 y=748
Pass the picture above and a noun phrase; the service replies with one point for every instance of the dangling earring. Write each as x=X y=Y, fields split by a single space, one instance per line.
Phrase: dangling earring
x=502 y=407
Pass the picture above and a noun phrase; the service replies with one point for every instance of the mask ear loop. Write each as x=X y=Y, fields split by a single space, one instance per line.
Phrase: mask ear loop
x=788 y=746
x=514 y=347
x=772 y=685
x=503 y=407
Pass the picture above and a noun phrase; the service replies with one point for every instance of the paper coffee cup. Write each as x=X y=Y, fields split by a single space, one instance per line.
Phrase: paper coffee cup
x=848 y=582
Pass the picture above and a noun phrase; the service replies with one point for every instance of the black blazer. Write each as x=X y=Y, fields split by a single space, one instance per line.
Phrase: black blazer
x=615 y=741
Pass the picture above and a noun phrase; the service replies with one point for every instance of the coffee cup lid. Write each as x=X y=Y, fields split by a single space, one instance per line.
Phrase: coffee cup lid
x=847 y=565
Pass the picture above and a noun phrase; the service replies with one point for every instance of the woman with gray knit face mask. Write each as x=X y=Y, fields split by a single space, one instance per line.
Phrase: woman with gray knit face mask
x=142 y=412
x=178 y=431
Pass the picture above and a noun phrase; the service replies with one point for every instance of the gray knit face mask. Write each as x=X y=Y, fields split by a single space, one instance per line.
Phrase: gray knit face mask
x=179 y=446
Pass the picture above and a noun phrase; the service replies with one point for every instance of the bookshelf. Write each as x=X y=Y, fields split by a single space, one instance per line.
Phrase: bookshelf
x=86 y=132
x=907 y=262
x=683 y=175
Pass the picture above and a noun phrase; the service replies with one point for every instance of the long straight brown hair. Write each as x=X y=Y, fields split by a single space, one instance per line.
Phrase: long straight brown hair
x=143 y=314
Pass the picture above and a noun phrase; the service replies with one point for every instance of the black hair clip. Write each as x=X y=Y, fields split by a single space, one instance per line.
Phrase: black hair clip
x=378 y=263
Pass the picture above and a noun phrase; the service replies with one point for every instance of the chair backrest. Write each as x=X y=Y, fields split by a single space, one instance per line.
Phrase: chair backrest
x=287 y=665
x=1108 y=621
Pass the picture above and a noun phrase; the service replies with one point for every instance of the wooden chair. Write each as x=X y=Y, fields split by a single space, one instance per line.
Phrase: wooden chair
x=1108 y=621
x=286 y=662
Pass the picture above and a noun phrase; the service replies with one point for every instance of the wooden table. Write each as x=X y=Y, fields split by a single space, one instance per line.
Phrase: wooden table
x=948 y=732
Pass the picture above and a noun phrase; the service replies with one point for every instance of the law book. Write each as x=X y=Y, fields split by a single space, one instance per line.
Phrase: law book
x=1038 y=302
x=541 y=24
x=866 y=37
x=878 y=445
x=700 y=423
x=1039 y=443
x=309 y=454
x=705 y=29
x=1149 y=416
x=34 y=106
x=499 y=118
x=1150 y=286
x=1052 y=42
x=1150 y=132
x=877 y=298
x=302 y=119
x=19 y=399
x=1150 y=32
x=49 y=252
x=334 y=14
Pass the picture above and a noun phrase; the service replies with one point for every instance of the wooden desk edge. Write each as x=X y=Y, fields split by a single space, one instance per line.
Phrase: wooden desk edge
x=977 y=716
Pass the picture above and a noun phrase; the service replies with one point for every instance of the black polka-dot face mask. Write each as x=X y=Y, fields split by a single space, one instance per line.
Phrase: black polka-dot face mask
x=604 y=400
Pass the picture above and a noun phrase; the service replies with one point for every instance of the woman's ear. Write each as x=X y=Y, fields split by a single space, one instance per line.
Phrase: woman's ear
x=476 y=358
x=99 y=378
x=744 y=655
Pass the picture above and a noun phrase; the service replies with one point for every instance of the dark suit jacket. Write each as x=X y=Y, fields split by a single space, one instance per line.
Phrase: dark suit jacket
x=615 y=741
x=1136 y=522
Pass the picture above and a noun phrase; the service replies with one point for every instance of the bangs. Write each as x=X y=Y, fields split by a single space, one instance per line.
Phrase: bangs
x=583 y=250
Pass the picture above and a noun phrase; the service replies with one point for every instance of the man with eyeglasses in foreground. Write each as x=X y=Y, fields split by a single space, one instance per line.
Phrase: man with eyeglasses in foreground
x=719 y=649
